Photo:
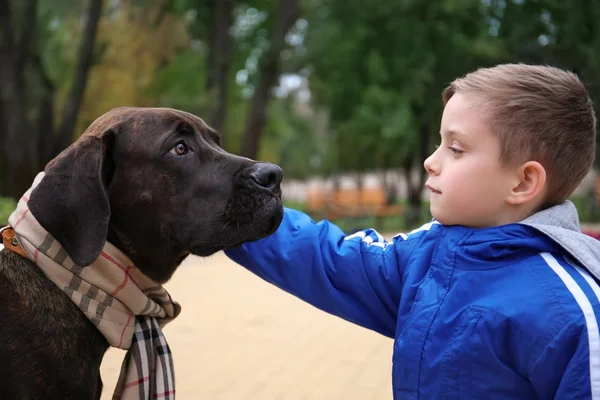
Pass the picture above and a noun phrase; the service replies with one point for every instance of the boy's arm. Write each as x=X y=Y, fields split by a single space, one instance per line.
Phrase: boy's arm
x=356 y=277
x=568 y=368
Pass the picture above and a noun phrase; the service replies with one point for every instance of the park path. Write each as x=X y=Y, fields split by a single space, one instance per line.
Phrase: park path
x=239 y=338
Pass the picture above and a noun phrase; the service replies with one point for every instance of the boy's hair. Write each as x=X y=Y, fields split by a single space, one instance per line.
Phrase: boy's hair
x=540 y=113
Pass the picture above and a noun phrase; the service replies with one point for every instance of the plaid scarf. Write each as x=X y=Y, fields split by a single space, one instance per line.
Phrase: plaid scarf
x=124 y=304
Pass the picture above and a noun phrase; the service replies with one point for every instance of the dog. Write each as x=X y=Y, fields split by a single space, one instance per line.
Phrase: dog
x=157 y=184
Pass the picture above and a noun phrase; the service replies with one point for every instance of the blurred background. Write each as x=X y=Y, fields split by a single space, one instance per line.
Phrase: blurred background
x=345 y=95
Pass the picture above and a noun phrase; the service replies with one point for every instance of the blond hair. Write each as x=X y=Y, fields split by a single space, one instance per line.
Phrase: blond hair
x=540 y=113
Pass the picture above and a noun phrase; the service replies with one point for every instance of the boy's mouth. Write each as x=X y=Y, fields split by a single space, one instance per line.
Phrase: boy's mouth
x=432 y=190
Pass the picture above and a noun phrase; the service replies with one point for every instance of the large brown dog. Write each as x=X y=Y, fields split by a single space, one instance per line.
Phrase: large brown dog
x=163 y=188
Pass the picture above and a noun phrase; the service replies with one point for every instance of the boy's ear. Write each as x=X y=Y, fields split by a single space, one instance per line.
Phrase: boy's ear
x=530 y=183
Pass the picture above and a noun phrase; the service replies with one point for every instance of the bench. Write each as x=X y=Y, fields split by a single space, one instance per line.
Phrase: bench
x=355 y=203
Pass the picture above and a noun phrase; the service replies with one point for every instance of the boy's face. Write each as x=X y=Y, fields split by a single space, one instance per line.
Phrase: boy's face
x=467 y=184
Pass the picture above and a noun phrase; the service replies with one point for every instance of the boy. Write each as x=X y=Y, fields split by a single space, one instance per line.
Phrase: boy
x=497 y=297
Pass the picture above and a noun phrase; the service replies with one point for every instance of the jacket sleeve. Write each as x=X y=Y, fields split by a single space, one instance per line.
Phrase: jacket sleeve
x=356 y=277
x=567 y=369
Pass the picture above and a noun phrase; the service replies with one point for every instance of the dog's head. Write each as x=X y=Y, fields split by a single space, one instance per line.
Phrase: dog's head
x=156 y=183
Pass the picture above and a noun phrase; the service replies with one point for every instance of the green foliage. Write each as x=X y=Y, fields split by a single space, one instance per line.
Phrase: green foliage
x=180 y=84
x=381 y=72
x=375 y=69
x=585 y=208
x=7 y=206
x=290 y=141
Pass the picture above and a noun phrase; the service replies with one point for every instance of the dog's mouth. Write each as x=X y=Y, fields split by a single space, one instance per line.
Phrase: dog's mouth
x=262 y=220
x=247 y=218
x=253 y=208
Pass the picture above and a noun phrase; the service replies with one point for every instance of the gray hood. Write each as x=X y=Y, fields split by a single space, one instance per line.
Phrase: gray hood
x=561 y=223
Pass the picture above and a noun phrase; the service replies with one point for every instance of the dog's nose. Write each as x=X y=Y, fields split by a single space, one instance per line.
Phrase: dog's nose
x=267 y=175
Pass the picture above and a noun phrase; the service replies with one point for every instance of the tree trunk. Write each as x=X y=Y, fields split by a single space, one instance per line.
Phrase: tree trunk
x=66 y=131
x=27 y=144
x=217 y=82
x=415 y=186
x=45 y=121
x=15 y=151
x=287 y=15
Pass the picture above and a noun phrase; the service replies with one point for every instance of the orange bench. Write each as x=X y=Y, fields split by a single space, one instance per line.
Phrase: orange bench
x=329 y=204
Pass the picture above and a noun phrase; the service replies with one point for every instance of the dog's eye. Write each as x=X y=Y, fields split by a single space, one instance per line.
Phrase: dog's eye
x=179 y=149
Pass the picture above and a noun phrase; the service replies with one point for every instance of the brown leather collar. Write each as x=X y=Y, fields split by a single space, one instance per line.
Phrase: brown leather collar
x=10 y=241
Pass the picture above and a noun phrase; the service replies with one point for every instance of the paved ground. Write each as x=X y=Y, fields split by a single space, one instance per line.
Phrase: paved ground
x=240 y=338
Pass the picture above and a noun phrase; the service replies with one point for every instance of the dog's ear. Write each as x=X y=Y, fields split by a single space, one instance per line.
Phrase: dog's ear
x=71 y=201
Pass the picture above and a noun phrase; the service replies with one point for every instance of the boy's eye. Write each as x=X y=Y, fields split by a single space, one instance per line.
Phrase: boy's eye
x=455 y=151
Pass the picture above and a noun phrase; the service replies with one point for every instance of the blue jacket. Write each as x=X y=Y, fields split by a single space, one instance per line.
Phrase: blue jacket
x=494 y=313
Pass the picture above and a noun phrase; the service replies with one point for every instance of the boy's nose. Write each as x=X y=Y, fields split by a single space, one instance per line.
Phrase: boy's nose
x=431 y=166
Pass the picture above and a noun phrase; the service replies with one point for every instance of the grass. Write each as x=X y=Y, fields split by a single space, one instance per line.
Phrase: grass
x=7 y=206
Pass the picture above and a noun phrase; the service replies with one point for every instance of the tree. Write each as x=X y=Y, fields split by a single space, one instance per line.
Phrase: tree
x=219 y=61
x=71 y=108
x=269 y=70
x=381 y=74
x=139 y=47
x=29 y=139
